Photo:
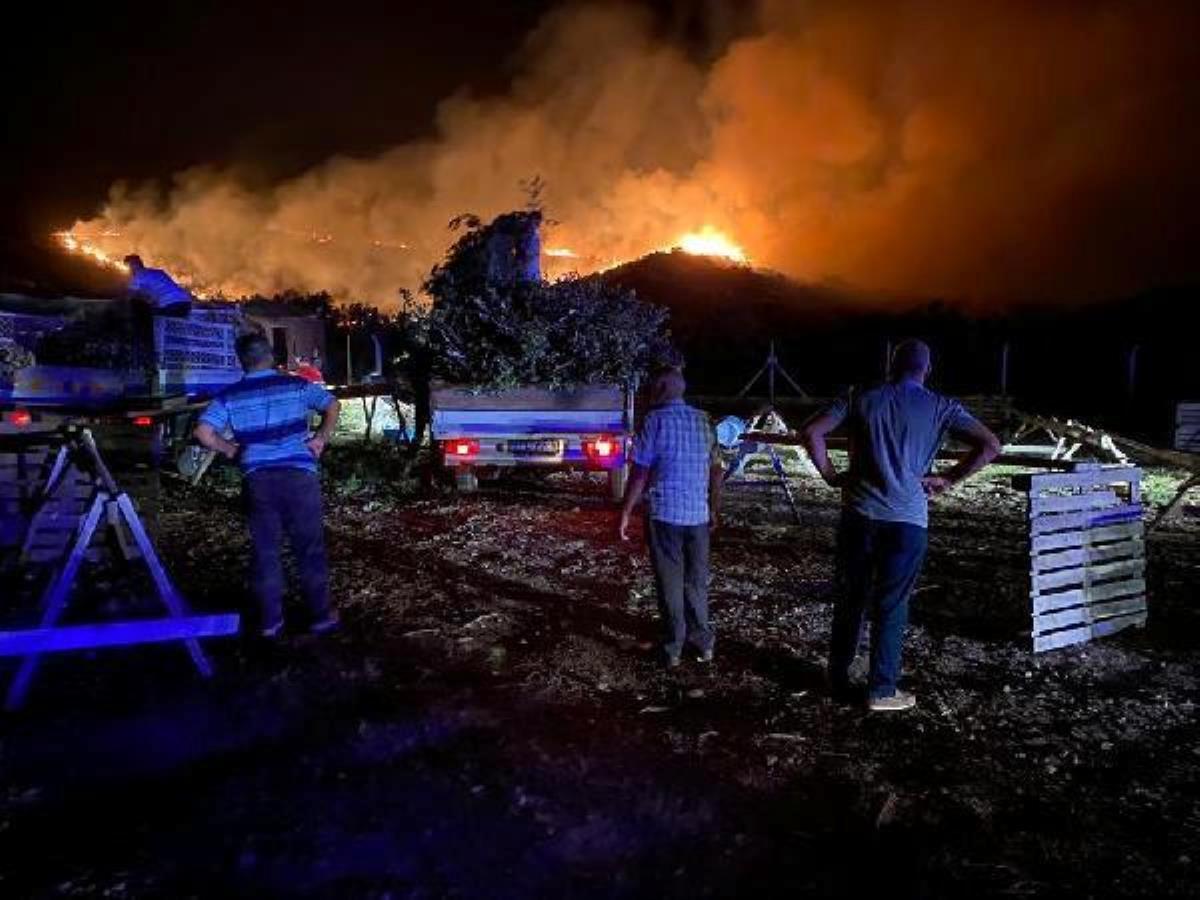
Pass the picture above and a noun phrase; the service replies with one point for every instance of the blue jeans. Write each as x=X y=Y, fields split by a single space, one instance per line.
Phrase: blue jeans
x=278 y=502
x=877 y=565
x=679 y=554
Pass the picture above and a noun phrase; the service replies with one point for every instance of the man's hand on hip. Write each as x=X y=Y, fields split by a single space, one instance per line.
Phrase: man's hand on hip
x=936 y=484
x=316 y=445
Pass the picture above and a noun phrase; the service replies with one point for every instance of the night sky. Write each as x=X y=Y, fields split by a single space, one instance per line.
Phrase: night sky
x=143 y=90
x=995 y=153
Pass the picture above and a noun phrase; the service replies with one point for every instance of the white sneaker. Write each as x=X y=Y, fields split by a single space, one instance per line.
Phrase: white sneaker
x=898 y=702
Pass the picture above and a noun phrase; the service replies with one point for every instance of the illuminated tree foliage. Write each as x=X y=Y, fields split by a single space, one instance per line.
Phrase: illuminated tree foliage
x=492 y=327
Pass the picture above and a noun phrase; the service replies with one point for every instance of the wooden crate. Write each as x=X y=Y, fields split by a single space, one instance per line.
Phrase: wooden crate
x=22 y=472
x=1187 y=427
x=1087 y=553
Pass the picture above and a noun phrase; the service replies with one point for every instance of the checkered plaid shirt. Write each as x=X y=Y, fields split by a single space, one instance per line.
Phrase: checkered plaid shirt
x=677 y=444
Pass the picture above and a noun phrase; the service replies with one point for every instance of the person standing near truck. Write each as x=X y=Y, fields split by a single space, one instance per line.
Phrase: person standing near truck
x=895 y=432
x=267 y=413
x=675 y=456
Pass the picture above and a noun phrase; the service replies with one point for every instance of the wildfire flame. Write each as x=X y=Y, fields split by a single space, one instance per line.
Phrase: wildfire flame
x=708 y=241
x=73 y=244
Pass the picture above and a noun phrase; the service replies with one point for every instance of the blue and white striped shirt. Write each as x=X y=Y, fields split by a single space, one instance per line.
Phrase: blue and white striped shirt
x=677 y=444
x=268 y=413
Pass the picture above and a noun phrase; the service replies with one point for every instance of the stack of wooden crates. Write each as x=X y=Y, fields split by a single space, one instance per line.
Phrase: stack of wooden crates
x=23 y=470
x=1087 y=553
x=38 y=533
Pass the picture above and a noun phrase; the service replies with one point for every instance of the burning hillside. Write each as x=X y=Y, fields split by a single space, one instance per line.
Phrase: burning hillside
x=1002 y=151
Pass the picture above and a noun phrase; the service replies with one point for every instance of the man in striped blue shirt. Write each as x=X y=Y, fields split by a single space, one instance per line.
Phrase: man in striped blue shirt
x=267 y=415
x=677 y=465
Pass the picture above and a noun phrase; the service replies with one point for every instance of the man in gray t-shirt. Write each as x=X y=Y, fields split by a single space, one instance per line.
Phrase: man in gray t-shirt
x=895 y=432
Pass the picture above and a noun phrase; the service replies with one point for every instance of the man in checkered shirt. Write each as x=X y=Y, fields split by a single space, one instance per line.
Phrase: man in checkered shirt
x=677 y=466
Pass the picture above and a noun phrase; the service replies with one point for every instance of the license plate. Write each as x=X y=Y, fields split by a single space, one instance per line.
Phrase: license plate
x=535 y=448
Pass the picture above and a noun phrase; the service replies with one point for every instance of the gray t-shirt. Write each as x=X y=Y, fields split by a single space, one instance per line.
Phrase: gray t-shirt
x=895 y=432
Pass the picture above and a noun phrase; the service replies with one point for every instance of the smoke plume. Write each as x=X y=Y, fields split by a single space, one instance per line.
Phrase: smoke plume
x=987 y=152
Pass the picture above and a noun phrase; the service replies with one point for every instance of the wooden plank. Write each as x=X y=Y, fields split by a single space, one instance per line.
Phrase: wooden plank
x=42 y=555
x=1128 y=512
x=1064 y=522
x=1085 y=537
x=1088 y=575
x=1040 y=506
x=1084 y=556
x=1079 y=615
x=1056 y=639
x=115 y=634
x=1095 y=594
x=1083 y=478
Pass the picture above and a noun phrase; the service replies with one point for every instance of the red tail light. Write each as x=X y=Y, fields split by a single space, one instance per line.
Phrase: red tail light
x=19 y=417
x=462 y=447
x=602 y=448
x=143 y=421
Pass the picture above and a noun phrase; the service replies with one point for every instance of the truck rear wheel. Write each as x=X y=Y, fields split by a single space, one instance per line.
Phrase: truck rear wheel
x=617 y=479
x=466 y=480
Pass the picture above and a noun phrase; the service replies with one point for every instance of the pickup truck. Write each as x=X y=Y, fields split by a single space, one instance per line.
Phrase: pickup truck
x=186 y=360
x=479 y=432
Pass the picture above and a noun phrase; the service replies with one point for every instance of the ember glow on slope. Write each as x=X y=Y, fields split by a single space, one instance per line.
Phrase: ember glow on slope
x=710 y=242
x=706 y=241
x=73 y=244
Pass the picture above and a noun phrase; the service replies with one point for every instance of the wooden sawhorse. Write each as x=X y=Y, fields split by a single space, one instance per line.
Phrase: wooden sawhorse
x=78 y=451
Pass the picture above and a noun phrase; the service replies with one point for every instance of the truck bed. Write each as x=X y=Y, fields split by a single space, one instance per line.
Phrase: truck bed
x=528 y=412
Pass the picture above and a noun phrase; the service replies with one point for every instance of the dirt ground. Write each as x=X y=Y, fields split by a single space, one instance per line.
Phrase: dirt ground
x=491 y=722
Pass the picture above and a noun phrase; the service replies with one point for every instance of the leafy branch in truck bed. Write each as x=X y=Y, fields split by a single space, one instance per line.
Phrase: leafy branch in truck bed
x=12 y=357
x=491 y=325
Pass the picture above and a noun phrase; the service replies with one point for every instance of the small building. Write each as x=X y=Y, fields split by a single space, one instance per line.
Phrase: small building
x=293 y=331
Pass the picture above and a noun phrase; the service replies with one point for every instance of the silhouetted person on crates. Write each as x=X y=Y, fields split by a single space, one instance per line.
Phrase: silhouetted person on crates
x=677 y=465
x=895 y=432
x=160 y=293
x=268 y=413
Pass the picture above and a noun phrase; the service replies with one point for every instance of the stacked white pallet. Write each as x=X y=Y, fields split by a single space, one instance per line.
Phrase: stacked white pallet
x=1187 y=427
x=1087 y=554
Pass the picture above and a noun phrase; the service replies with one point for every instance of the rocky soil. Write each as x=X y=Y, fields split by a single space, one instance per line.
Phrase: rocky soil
x=492 y=722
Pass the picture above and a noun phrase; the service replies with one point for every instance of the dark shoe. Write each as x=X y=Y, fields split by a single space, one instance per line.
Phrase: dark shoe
x=706 y=656
x=846 y=693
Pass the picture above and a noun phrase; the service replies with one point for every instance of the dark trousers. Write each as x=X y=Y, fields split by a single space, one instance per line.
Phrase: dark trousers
x=278 y=502
x=679 y=554
x=877 y=565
